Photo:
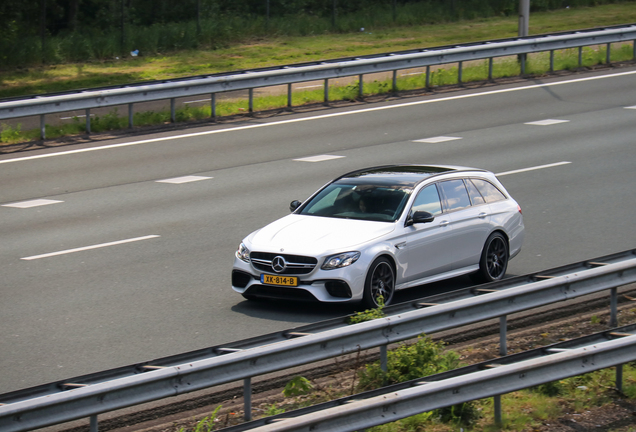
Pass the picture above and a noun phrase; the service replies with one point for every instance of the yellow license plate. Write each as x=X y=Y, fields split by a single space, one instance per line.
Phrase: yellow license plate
x=279 y=280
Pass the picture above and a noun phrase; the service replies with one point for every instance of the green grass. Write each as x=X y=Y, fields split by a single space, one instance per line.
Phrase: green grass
x=277 y=50
x=272 y=51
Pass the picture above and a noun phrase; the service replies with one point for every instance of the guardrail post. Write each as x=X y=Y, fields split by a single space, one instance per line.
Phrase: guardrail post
x=395 y=89
x=497 y=403
x=383 y=358
x=360 y=86
x=490 y=69
x=42 y=127
x=247 y=398
x=580 y=56
x=428 y=77
x=503 y=334
x=619 y=378
x=326 y=91
x=609 y=52
x=522 y=59
x=634 y=50
x=503 y=350
x=88 y=120
x=459 y=72
x=130 y=115
x=172 y=111
x=93 y=424
x=289 y=95
x=551 y=60
x=213 y=106
x=613 y=308
x=251 y=100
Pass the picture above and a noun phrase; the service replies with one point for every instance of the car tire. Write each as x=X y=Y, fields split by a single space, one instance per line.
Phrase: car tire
x=380 y=281
x=494 y=259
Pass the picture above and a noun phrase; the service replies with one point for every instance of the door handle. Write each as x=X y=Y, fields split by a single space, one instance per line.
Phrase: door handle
x=482 y=215
x=444 y=223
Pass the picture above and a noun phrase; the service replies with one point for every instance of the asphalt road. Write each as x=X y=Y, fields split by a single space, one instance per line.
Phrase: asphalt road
x=105 y=264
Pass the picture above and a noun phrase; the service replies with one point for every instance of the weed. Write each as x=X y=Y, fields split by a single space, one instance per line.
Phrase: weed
x=298 y=386
x=369 y=314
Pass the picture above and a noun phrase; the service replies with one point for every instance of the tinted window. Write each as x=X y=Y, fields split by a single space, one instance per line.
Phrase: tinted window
x=358 y=201
x=455 y=194
x=488 y=191
x=475 y=196
x=428 y=200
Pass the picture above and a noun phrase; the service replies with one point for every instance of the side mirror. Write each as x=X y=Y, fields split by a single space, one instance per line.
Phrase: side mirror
x=420 y=217
x=294 y=205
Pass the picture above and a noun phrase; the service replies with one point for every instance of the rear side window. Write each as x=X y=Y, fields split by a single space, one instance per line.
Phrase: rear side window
x=475 y=196
x=488 y=190
x=455 y=195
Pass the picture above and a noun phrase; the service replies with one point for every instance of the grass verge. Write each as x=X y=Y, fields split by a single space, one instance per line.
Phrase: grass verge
x=537 y=64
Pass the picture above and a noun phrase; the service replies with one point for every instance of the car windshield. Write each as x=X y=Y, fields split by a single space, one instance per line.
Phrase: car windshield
x=382 y=203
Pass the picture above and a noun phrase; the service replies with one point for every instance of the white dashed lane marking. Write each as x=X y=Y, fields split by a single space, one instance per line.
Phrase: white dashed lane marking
x=85 y=248
x=319 y=158
x=32 y=203
x=547 y=122
x=438 y=139
x=184 y=179
x=533 y=168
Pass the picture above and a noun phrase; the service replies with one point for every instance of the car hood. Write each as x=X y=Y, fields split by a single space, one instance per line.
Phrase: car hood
x=315 y=235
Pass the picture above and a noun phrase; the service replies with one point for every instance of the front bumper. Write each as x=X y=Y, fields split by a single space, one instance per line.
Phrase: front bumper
x=338 y=285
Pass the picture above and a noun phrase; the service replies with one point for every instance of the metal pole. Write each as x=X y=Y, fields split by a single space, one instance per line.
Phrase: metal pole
x=130 y=115
x=173 y=116
x=360 y=86
x=88 y=120
x=383 y=358
x=251 y=100
x=395 y=89
x=459 y=73
x=213 y=105
x=497 y=401
x=613 y=308
x=247 y=398
x=503 y=333
x=428 y=77
x=524 y=28
x=524 y=17
x=551 y=60
x=42 y=127
x=609 y=53
x=580 y=56
x=490 y=69
x=503 y=350
x=326 y=90
x=93 y=424
x=619 y=378
x=289 y=95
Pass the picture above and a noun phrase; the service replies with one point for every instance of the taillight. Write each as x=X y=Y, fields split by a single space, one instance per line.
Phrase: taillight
x=519 y=208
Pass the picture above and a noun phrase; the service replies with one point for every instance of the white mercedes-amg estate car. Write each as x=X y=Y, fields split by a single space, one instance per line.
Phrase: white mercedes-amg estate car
x=374 y=231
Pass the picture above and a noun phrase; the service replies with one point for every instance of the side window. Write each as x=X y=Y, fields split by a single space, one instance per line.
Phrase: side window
x=455 y=194
x=488 y=191
x=475 y=196
x=428 y=200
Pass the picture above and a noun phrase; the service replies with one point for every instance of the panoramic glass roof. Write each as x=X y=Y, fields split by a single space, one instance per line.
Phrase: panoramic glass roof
x=402 y=175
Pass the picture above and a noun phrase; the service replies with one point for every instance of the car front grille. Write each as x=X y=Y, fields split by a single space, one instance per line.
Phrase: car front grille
x=294 y=264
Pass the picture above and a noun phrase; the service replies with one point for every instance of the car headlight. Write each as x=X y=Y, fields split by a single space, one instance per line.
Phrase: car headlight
x=243 y=253
x=340 y=260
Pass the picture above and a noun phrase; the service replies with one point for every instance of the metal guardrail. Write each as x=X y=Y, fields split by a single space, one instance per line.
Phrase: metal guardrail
x=74 y=400
x=429 y=393
x=530 y=357
x=249 y=80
